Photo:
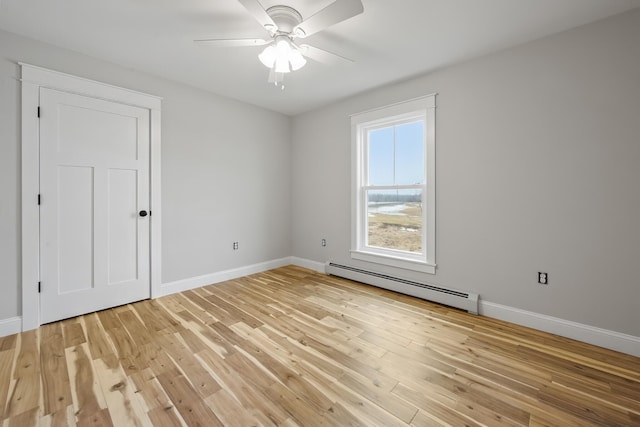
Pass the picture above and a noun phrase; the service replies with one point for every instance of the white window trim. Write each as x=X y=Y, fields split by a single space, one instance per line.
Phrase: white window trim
x=426 y=105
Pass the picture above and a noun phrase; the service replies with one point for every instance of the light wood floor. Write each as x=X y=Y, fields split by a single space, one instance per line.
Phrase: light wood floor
x=293 y=347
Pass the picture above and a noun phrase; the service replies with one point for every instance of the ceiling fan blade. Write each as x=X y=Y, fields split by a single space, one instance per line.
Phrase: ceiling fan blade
x=257 y=11
x=322 y=55
x=233 y=42
x=338 y=11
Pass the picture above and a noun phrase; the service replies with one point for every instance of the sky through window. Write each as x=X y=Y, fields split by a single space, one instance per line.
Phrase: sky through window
x=396 y=155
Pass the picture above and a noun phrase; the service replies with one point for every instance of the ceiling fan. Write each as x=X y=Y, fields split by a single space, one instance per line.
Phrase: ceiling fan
x=284 y=25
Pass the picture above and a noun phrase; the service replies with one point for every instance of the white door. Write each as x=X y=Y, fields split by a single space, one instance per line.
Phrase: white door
x=94 y=186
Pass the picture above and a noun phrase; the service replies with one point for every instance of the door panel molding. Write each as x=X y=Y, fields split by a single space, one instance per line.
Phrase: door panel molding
x=33 y=79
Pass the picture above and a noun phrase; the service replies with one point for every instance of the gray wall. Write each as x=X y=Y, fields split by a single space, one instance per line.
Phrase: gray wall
x=538 y=169
x=225 y=170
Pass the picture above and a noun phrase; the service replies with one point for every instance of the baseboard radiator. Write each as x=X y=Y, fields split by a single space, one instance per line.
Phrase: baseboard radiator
x=451 y=297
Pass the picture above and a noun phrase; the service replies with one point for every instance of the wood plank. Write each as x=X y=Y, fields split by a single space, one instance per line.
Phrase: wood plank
x=189 y=404
x=73 y=334
x=8 y=342
x=102 y=418
x=62 y=418
x=56 y=388
x=99 y=343
x=230 y=411
x=165 y=417
x=154 y=318
x=427 y=419
x=149 y=391
x=252 y=399
x=6 y=366
x=397 y=407
x=88 y=399
x=27 y=362
x=26 y=418
x=233 y=311
x=189 y=365
x=584 y=407
x=364 y=409
x=118 y=391
x=136 y=329
x=178 y=303
x=454 y=410
x=25 y=395
x=122 y=341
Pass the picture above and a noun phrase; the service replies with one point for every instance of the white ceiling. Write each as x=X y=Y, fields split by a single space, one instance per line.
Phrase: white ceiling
x=390 y=41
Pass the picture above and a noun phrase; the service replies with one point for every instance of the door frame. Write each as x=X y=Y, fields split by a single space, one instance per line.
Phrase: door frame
x=34 y=78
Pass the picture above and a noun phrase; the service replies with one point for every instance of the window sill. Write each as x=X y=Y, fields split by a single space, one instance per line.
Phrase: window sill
x=403 y=263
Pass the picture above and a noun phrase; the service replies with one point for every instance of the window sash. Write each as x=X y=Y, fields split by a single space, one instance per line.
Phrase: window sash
x=419 y=109
x=364 y=224
x=365 y=129
x=394 y=187
x=365 y=188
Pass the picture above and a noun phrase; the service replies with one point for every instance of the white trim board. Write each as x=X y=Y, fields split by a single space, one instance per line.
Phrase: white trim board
x=45 y=77
x=10 y=326
x=221 y=276
x=307 y=263
x=612 y=340
x=33 y=78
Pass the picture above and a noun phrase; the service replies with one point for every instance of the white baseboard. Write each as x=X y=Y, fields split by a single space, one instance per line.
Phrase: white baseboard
x=221 y=276
x=307 y=263
x=10 y=326
x=612 y=340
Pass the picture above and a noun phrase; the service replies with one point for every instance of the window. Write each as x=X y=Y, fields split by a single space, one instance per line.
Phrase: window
x=393 y=207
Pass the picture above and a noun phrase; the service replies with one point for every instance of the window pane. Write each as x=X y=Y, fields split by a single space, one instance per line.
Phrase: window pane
x=394 y=219
x=381 y=156
x=409 y=153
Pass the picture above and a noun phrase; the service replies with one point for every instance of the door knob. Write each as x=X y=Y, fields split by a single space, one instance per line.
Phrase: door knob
x=143 y=213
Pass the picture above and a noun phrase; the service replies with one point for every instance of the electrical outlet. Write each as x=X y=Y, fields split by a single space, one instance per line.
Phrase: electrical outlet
x=324 y=242
x=543 y=278
x=235 y=246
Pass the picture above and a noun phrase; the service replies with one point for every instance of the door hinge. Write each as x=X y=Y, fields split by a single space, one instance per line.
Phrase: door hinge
x=38 y=200
x=39 y=286
x=38 y=111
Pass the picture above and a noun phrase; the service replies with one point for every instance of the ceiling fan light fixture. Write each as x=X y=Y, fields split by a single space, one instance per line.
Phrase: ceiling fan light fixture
x=283 y=56
x=268 y=56
x=283 y=46
x=296 y=59
x=282 y=65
